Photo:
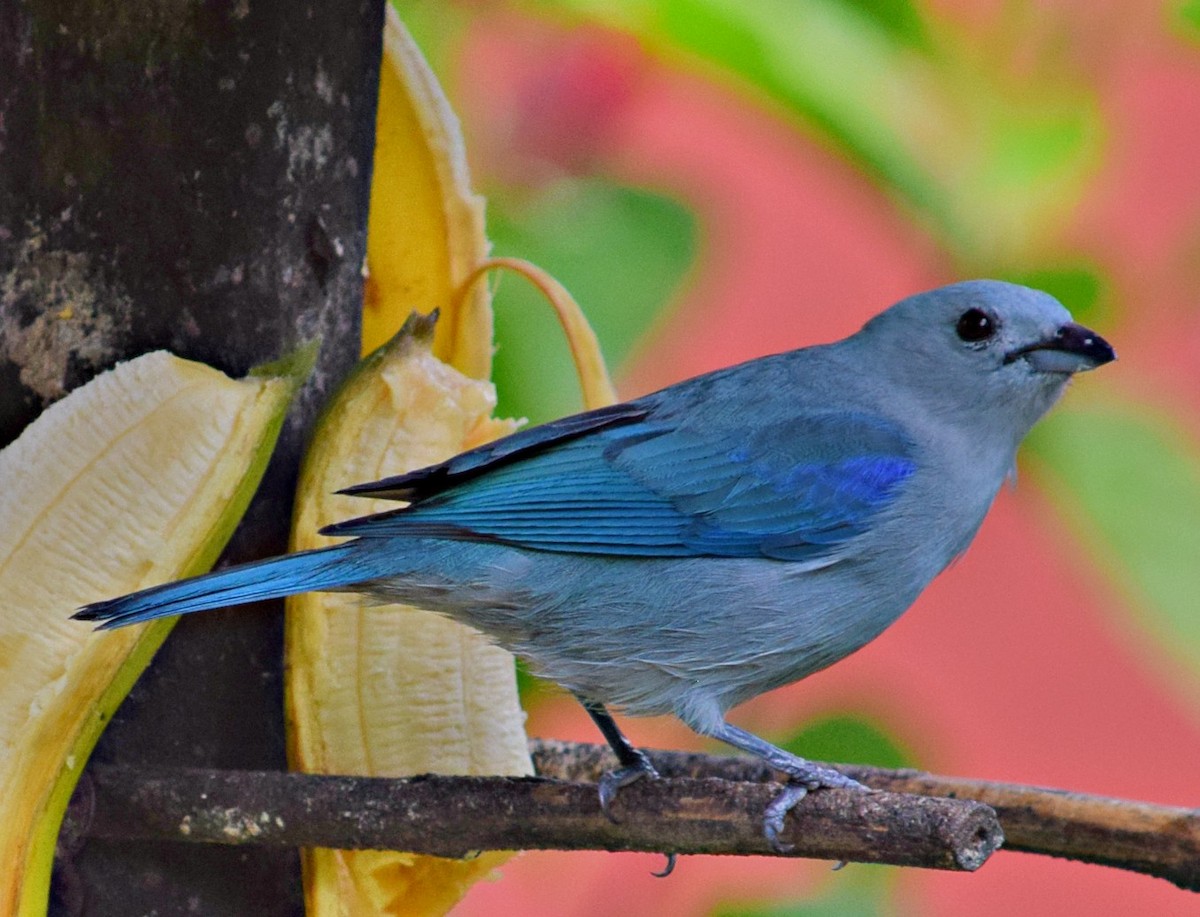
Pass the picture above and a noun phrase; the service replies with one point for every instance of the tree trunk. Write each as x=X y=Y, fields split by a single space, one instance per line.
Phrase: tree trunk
x=190 y=176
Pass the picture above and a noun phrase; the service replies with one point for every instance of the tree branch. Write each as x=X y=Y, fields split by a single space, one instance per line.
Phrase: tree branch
x=1160 y=841
x=454 y=816
x=704 y=804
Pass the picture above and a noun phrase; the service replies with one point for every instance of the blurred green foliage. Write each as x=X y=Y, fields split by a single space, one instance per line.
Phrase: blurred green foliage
x=899 y=18
x=848 y=738
x=1188 y=15
x=622 y=252
x=1129 y=483
x=1079 y=287
x=992 y=160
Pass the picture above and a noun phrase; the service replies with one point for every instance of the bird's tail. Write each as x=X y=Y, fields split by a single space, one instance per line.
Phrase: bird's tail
x=326 y=568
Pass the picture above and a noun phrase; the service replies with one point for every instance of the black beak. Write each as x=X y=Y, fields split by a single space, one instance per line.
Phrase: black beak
x=1073 y=348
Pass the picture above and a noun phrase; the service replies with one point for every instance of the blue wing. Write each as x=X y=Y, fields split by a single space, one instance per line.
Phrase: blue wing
x=626 y=484
x=424 y=482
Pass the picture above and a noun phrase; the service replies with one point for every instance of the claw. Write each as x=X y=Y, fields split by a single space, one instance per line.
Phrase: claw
x=791 y=795
x=668 y=869
x=612 y=781
x=773 y=817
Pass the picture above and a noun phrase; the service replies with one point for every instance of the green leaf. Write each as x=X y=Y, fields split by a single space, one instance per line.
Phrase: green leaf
x=621 y=252
x=1079 y=287
x=848 y=738
x=533 y=690
x=1128 y=481
x=437 y=29
x=899 y=18
x=1187 y=14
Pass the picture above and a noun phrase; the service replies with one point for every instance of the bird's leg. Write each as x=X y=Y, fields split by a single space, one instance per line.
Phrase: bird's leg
x=634 y=766
x=802 y=776
x=634 y=763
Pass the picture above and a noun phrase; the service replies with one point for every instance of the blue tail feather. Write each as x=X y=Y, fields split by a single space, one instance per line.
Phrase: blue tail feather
x=326 y=568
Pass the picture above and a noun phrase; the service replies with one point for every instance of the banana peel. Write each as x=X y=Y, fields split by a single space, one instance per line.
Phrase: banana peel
x=391 y=691
x=136 y=478
x=388 y=690
x=426 y=229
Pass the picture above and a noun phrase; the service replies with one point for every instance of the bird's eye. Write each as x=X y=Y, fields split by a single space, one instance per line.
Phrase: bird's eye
x=975 y=325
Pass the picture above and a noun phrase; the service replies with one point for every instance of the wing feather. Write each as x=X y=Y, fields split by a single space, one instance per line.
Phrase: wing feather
x=622 y=484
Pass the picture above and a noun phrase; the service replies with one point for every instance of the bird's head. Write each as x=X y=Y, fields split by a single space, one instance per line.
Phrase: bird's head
x=984 y=348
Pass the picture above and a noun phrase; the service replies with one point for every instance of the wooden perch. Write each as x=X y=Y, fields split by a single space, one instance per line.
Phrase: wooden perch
x=1160 y=841
x=704 y=804
x=455 y=816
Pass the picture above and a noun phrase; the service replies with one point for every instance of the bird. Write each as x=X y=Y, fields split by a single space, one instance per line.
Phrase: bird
x=685 y=551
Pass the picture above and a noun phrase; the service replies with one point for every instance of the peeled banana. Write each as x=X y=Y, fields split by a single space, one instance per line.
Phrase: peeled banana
x=135 y=478
x=388 y=690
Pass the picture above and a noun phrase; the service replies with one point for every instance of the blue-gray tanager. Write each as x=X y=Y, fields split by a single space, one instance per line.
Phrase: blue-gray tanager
x=735 y=532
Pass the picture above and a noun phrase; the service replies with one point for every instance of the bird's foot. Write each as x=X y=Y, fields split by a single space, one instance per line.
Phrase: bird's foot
x=613 y=781
x=802 y=775
x=800 y=781
x=774 y=814
x=634 y=766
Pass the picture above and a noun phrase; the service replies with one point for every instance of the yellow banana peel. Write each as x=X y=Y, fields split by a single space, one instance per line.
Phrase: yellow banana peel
x=138 y=477
x=425 y=233
x=391 y=690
